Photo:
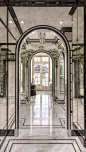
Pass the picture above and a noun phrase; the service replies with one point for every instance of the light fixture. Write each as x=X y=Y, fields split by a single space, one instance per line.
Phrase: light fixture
x=10 y=21
x=72 y=22
x=22 y=22
x=61 y=22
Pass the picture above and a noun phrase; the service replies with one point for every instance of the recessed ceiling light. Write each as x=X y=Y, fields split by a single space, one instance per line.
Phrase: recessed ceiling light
x=72 y=22
x=10 y=21
x=61 y=22
x=22 y=22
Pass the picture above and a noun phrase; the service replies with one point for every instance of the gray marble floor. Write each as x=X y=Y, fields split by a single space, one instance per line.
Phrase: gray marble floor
x=42 y=128
x=58 y=141
x=41 y=112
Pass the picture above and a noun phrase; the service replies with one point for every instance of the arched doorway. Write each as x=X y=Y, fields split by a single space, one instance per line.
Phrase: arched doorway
x=67 y=72
x=53 y=70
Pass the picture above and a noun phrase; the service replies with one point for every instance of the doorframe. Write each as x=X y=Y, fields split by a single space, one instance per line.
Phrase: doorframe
x=53 y=72
x=67 y=73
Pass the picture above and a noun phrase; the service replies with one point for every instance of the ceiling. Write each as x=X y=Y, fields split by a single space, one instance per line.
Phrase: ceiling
x=34 y=16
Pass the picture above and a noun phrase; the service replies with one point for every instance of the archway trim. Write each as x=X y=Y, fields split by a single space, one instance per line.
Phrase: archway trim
x=67 y=88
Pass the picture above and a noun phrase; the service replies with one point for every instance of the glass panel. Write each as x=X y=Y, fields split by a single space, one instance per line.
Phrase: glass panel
x=78 y=69
x=43 y=75
x=43 y=83
x=36 y=59
x=37 y=79
x=39 y=75
x=37 y=67
x=46 y=83
x=45 y=67
x=46 y=74
x=3 y=69
x=45 y=59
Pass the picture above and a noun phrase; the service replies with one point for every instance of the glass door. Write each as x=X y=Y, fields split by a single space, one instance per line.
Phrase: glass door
x=41 y=72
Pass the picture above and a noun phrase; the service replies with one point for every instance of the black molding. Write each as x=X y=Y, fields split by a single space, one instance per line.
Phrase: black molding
x=8 y=29
x=7 y=2
x=72 y=11
x=17 y=71
x=66 y=29
x=7 y=44
x=85 y=69
x=78 y=44
x=15 y=19
x=2 y=3
x=43 y=3
x=7 y=132
x=13 y=15
x=37 y=40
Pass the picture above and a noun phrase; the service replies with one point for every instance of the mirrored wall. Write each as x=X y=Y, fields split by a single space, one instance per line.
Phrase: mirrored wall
x=78 y=71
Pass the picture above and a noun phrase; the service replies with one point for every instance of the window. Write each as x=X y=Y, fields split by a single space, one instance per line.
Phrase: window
x=36 y=59
x=41 y=71
x=45 y=59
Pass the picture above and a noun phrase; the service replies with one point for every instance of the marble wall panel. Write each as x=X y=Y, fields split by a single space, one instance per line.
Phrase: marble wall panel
x=3 y=11
x=11 y=78
x=78 y=26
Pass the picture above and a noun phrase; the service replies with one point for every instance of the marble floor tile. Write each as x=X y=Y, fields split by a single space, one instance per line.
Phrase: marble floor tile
x=41 y=112
x=42 y=128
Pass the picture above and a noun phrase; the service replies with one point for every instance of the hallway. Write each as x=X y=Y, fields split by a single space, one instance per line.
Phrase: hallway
x=42 y=76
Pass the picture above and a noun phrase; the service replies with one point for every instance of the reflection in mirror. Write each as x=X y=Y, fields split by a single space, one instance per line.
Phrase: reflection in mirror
x=78 y=88
x=61 y=77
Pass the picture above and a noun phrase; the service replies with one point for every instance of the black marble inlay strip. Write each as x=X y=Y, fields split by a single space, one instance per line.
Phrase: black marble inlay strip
x=9 y=120
x=42 y=143
x=62 y=126
x=3 y=142
x=63 y=107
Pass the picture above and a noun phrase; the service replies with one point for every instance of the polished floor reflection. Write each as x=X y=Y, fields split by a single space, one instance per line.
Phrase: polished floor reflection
x=41 y=112
x=42 y=128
